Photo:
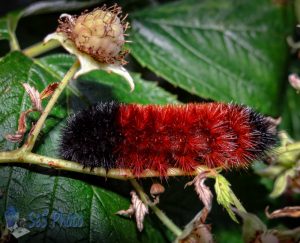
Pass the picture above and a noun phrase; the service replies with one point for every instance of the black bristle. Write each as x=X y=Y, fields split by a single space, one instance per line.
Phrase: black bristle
x=93 y=126
x=264 y=133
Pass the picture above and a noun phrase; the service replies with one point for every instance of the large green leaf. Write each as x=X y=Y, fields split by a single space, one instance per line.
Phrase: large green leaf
x=223 y=50
x=100 y=85
x=40 y=194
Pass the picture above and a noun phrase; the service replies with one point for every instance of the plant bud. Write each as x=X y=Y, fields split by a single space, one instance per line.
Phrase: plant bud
x=99 y=33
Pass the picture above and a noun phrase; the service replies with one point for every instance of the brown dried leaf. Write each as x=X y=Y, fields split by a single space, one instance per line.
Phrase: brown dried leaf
x=129 y=212
x=18 y=136
x=22 y=121
x=196 y=231
x=15 y=138
x=34 y=97
x=137 y=208
x=48 y=90
x=36 y=106
x=140 y=210
x=293 y=212
x=202 y=190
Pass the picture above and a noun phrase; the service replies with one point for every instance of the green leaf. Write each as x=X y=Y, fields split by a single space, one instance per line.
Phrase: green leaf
x=145 y=92
x=281 y=182
x=222 y=50
x=16 y=69
x=100 y=85
x=226 y=197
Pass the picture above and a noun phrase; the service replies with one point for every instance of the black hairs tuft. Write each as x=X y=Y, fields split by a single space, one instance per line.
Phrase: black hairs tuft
x=264 y=133
x=90 y=136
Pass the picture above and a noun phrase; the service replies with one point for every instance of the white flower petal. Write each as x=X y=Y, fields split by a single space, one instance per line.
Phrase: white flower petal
x=87 y=63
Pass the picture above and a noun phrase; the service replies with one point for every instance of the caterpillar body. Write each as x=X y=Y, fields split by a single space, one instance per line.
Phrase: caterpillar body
x=158 y=137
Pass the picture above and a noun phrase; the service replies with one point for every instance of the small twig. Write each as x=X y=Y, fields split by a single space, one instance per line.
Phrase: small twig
x=21 y=156
x=40 y=48
x=160 y=214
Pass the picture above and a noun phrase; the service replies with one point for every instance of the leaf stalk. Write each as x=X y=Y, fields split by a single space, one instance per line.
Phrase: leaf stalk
x=40 y=48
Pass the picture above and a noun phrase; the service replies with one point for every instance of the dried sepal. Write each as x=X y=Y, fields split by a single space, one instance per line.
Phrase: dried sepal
x=18 y=136
x=36 y=106
x=202 y=190
x=293 y=212
x=128 y=212
x=138 y=209
x=36 y=103
x=48 y=91
x=14 y=138
x=34 y=97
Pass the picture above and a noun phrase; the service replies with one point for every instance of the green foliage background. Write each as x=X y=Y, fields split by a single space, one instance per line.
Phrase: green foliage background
x=183 y=51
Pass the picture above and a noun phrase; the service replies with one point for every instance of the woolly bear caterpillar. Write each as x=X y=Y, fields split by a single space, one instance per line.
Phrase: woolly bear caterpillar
x=157 y=137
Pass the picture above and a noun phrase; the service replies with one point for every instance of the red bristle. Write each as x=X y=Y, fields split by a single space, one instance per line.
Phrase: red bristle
x=160 y=137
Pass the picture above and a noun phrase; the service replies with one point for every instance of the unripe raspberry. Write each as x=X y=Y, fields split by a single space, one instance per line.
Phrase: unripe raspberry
x=99 y=33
